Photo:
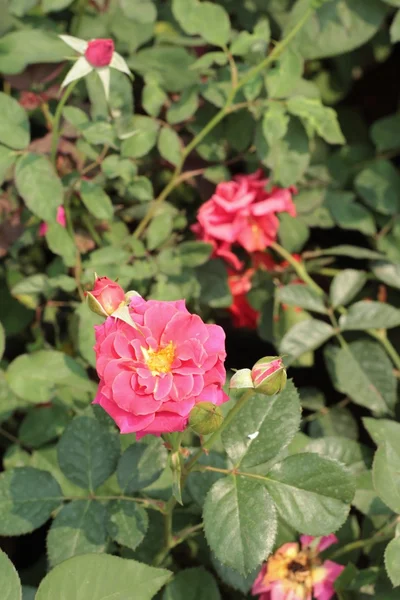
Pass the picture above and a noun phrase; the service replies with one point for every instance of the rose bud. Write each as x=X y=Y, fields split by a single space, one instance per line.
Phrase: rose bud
x=269 y=375
x=241 y=380
x=205 y=418
x=99 y=52
x=106 y=296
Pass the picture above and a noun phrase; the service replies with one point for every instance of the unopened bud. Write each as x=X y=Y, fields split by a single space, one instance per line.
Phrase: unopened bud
x=241 y=380
x=269 y=375
x=106 y=296
x=205 y=418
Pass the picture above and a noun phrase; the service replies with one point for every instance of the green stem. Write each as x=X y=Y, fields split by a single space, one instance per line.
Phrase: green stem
x=215 y=436
x=378 y=537
x=388 y=346
x=298 y=267
x=57 y=118
x=175 y=180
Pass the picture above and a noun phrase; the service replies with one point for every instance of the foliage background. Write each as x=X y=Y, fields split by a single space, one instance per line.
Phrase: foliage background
x=324 y=118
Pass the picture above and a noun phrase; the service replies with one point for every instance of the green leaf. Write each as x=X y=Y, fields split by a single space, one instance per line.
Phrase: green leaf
x=43 y=424
x=194 y=254
x=293 y=233
x=213 y=23
x=352 y=251
x=303 y=296
x=349 y=214
x=86 y=321
x=213 y=279
x=346 y=285
x=308 y=480
x=336 y=27
x=283 y=78
x=60 y=242
x=184 y=108
x=141 y=464
x=395 y=28
x=28 y=46
x=14 y=124
x=7 y=160
x=101 y=577
x=379 y=187
x=159 y=230
x=227 y=518
x=363 y=371
x=79 y=528
x=199 y=483
x=192 y=584
x=366 y=499
x=385 y=132
x=143 y=138
x=96 y=200
x=262 y=430
x=27 y=498
x=88 y=452
x=169 y=145
x=2 y=341
x=275 y=123
x=337 y=421
x=392 y=560
x=55 y=5
x=39 y=186
x=305 y=336
x=385 y=473
x=365 y=315
x=153 y=98
x=355 y=457
x=381 y=429
x=319 y=118
x=387 y=272
x=10 y=583
x=34 y=377
x=127 y=523
x=167 y=65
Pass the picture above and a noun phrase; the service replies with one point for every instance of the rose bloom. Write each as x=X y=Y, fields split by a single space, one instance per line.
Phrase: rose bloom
x=242 y=212
x=295 y=573
x=61 y=219
x=243 y=314
x=151 y=376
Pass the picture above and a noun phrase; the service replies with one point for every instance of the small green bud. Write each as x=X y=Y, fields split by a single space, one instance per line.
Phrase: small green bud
x=205 y=418
x=241 y=380
x=269 y=375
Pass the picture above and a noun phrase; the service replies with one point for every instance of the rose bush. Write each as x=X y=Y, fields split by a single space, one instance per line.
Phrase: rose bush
x=199 y=283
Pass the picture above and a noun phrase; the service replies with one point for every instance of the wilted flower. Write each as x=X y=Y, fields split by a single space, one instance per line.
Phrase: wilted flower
x=105 y=297
x=61 y=219
x=295 y=573
x=269 y=375
x=96 y=55
x=243 y=212
x=153 y=372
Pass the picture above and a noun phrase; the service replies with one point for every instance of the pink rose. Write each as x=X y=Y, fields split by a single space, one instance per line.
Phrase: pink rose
x=243 y=314
x=242 y=212
x=298 y=574
x=107 y=295
x=99 y=52
x=151 y=376
x=60 y=219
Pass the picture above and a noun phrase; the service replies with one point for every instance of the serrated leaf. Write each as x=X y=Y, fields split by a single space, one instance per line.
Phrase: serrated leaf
x=346 y=285
x=305 y=336
x=274 y=420
x=159 y=230
x=381 y=429
x=96 y=201
x=240 y=538
x=88 y=452
x=293 y=233
x=199 y=483
x=354 y=456
x=42 y=424
x=79 y=528
x=387 y=272
x=60 y=242
x=392 y=561
x=101 y=577
x=364 y=372
x=386 y=475
x=192 y=584
x=39 y=186
x=10 y=583
x=143 y=138
x=194 y=254
x=153 y=98
x=275 y=123
x=365 y=315
x=127 y=523
x=303 y=296
x=141 y=464
x=336 y=421
x=27 y=498
x=319 y=118
x=213 y=279
x=169 y=145
x=282 y=79
x=322 y=485
x=14 y=124
x=184 y=108
x=379 y=187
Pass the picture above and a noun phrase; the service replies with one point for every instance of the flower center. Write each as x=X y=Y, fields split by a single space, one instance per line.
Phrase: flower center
x=160 y=361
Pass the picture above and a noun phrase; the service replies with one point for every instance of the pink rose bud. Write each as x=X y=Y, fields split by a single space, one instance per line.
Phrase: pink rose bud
x=269 y=375
x=99 y=52
x=106 y=296
x=205 y=418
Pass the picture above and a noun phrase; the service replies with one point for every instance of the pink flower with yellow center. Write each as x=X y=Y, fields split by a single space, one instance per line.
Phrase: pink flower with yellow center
x=153 y=372
x=298 y=573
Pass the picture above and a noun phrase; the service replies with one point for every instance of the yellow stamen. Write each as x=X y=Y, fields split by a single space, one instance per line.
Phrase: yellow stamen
x=159 y=361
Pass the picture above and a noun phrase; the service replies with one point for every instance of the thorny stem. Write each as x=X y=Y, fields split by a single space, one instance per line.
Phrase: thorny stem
x=220 y=115
x=56 y=120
